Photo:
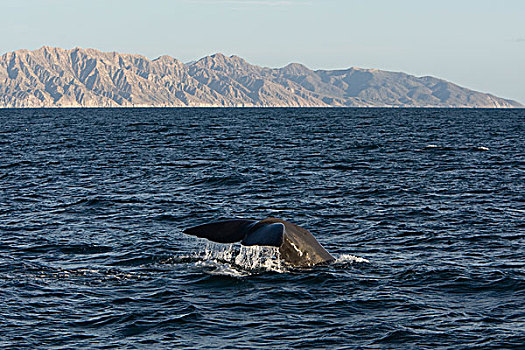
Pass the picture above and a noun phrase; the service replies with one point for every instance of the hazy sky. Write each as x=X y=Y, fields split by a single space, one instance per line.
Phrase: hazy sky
x=479 y=44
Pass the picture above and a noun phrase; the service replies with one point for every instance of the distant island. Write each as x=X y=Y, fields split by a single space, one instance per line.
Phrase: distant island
x=55 y=77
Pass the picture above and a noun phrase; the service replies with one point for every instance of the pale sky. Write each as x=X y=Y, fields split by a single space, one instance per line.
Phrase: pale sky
x=479 y=44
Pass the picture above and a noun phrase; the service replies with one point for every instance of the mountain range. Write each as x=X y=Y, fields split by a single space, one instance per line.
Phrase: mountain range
x=55 y=77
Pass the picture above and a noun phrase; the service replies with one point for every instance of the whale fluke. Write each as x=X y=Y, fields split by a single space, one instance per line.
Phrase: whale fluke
x=226 y=231
x=298 y=247
x=265 y=234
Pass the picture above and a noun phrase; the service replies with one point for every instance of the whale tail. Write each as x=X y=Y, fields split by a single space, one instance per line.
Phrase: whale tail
x=248 y=232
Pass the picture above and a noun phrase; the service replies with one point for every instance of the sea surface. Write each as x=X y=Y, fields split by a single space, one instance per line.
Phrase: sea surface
x=424 y=210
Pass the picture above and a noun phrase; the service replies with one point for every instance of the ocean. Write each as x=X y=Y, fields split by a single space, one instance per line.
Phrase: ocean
x=424 y=210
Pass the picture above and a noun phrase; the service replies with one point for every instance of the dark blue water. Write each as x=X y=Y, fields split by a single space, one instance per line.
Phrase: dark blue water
x=424 y=210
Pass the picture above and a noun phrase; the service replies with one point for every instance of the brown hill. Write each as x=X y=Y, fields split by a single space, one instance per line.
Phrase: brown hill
x=54 y=77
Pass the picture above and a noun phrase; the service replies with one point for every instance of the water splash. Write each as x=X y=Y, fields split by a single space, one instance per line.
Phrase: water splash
x=258 y=257
x=237 y=260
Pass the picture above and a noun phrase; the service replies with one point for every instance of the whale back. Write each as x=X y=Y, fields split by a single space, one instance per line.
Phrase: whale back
x=299 y=247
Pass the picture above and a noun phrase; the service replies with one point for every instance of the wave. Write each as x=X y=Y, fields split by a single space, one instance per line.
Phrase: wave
x=82 y=249
x=452 y=148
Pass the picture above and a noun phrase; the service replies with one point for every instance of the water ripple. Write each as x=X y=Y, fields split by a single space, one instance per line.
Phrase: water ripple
x=422 y=208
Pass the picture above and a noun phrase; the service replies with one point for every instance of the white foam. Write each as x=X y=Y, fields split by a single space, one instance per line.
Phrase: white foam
x=349 y=259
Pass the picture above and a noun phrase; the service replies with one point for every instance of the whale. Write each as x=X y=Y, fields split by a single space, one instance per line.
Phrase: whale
x=297 y=246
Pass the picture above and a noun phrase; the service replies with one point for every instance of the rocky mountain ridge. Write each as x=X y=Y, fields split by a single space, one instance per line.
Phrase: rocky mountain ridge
x=55 y=77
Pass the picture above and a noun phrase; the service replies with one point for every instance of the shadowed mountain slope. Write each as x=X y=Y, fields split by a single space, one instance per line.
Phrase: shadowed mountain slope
x=55 y=77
